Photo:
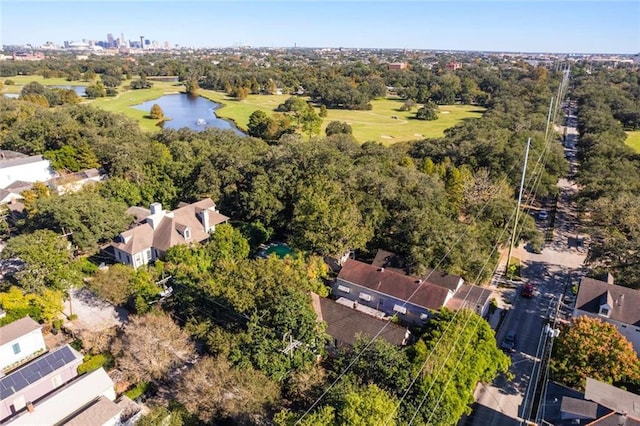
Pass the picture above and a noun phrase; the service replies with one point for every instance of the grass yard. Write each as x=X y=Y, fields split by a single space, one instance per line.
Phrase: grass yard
x=21 y=80
x=378 y=124
x=384 y=123
x=374 y=125
x=633 y=140
x=127 y=98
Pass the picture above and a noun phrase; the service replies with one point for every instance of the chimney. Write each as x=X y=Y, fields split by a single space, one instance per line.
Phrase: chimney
x=204 y=219
x=155 y=208
x=156 y=215
x=30 y=407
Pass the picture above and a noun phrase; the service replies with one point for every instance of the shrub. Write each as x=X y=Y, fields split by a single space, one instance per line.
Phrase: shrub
x=138 y=390
x=93 y=362
x=73 y=317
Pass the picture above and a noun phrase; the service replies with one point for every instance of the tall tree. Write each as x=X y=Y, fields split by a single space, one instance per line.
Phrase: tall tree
x=214 y=389
x=156 y=112
x=150 y=346
x=326 y=220
x=47 y=261
x=89 y=217
x=590 y=347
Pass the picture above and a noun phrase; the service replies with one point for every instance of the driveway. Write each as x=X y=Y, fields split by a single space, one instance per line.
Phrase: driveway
x=93 y=313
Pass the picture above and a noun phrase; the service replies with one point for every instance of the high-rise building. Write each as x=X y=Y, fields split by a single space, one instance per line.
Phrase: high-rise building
x=141 y=42
x=123 y=41
x=110 y=41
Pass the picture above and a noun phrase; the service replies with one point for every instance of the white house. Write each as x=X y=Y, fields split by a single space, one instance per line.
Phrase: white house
x=160 y=230
x=73 y=400
x=73 y=182
x=611 y=303
x=20 y=341
x=15 y=166
x=36 y=379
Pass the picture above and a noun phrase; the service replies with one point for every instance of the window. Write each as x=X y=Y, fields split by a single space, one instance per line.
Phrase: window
x=344 y=289
x=147 y=255
x=604 y=311
x=400 y=309
x=16 y=348
x=365 y=296
x=187 y=233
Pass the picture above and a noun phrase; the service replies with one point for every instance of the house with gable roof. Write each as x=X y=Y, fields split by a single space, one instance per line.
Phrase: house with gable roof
x=20 y=341
x=36 y=379
x=384 y=286
x=345 y=324
x=161 y=230
x=612 y=303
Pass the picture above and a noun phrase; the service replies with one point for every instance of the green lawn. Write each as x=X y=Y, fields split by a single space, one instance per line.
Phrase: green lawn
x=21 y=80
x=633 y=140
x=376 y=124
x=126 y=98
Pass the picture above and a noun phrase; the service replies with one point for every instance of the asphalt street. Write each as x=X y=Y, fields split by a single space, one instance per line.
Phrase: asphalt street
x=552 y=272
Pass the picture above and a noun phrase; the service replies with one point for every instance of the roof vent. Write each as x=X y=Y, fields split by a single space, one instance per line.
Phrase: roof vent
x=418 y=281
x=380 y=269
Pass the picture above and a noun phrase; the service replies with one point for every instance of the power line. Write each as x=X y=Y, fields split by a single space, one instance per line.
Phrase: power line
x=355 y=359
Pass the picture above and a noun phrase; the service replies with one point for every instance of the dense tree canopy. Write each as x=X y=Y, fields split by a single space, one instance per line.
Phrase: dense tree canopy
x=590 y=347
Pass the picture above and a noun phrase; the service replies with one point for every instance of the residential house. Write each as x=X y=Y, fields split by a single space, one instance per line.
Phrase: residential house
x=20 y=341
x=71 y=400
x=612 y=303
x=36 y=379
x=391 y=292
x=452 y=66
x=601 y=404
x=15 y=166
x=397 y=66
x=73 y=182
x=160 y=230
x=386 y=287
x=13 y=192
x=345 y=323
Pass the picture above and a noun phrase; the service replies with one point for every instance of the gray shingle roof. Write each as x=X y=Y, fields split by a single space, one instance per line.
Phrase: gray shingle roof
x=624 y=301
x=12 y=331
x=344 y=324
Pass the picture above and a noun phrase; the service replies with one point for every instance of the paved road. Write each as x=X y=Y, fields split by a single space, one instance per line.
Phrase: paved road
x=556 y=268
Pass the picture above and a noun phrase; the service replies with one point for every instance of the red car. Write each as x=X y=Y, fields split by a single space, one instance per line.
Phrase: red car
x=528 y=290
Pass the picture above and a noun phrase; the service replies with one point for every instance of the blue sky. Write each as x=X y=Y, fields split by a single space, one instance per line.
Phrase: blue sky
x=516 y=26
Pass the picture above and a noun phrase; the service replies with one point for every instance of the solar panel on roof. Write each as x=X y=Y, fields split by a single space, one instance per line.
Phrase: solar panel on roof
x=34 y=371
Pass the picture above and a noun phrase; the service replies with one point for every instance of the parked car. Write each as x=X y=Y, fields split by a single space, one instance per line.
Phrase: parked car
x=528 y=290
x=543 y=215
x=509 y=342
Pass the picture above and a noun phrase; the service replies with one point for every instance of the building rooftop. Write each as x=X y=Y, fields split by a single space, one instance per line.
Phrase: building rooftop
x=12 y=331
x=59 y=405
x=97 y=414
x=623 y=301
x=345 y=324
x=399 y=286
x=36 y=370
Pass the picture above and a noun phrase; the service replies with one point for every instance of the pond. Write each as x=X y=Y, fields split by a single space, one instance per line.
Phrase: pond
x=184 y=110
x=78 y=89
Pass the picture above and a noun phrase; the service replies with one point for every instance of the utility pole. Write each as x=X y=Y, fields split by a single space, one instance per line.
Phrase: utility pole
x=515 y=223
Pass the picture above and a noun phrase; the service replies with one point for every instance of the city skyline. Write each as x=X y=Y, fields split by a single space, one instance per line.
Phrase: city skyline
x=518 y=26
